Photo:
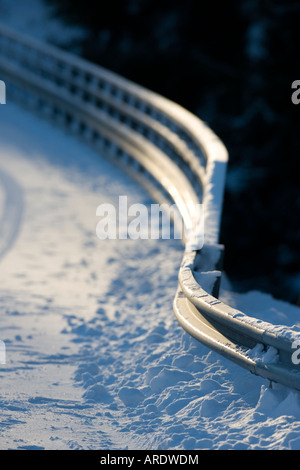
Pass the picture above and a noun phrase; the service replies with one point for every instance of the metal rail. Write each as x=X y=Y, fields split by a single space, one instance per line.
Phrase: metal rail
x=177 y=158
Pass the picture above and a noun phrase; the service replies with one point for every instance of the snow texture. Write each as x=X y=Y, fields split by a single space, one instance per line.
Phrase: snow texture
x=94 y=356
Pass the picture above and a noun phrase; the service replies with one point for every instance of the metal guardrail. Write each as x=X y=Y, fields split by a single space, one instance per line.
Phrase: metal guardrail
x=177 y=158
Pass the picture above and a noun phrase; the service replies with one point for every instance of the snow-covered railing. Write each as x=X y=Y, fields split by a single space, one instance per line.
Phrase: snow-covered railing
x=177 y=158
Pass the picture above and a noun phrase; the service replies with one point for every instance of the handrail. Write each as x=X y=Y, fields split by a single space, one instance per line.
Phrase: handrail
x=90 y=81
x=176 y=156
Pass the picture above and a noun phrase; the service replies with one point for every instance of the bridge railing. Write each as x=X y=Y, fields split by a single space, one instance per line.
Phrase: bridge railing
x=177 y=157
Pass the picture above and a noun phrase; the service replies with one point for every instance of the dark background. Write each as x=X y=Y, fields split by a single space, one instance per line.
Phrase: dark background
x=231 y=63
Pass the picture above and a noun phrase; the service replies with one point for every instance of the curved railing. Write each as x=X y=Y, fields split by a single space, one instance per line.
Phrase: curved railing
x=178 y=159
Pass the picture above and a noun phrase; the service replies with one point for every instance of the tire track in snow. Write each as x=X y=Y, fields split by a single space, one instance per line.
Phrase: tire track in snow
x=11 y=217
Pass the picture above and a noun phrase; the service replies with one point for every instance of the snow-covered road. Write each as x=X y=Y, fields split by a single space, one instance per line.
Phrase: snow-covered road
x=94 y=356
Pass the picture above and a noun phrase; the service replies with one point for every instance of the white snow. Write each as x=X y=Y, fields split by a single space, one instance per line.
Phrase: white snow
x=94 y=356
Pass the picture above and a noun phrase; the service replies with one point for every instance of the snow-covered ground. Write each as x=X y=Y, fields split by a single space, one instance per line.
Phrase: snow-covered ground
x=94 y=356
